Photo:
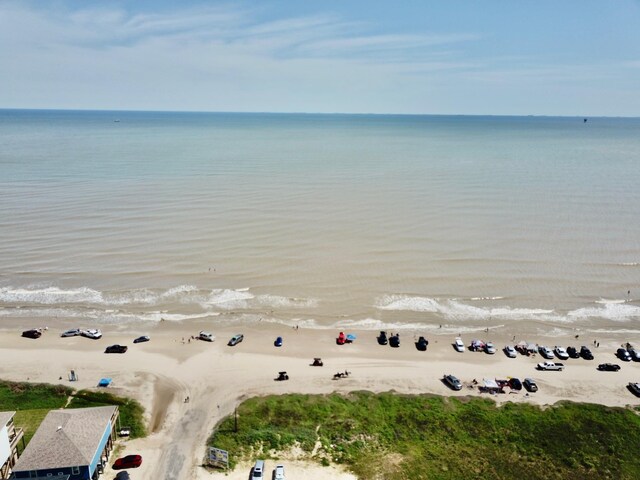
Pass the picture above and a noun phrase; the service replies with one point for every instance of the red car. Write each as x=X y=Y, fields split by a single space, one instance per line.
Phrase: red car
x=341 y=338
x=130 y=461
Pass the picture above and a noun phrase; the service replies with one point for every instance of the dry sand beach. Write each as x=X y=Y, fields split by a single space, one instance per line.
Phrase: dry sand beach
x=216 y=377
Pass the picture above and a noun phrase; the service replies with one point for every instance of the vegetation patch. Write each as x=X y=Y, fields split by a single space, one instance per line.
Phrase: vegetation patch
x=390 y=436
x=32 y=402
x=131 y=412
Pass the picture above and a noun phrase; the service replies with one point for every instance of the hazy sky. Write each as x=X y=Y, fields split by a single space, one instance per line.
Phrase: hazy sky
x=559 y=57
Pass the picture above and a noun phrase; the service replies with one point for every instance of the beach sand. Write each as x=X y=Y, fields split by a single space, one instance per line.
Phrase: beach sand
x=216 y=377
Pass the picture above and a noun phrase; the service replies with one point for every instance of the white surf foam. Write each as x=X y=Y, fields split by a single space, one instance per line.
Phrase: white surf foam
x=228 y=299
x=276 y=301
x=617 y=312
x=455 y=310
x=49 y=295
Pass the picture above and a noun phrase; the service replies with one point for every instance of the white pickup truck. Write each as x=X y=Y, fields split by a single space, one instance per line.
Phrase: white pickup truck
x=550 y=366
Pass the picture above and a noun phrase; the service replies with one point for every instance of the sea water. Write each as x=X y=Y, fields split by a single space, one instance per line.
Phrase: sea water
x=366 y=221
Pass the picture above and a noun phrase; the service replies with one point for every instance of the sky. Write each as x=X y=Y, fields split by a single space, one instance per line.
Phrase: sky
x=495 y=57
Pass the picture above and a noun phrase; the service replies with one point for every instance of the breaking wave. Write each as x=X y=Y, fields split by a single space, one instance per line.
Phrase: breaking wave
x=455 y=310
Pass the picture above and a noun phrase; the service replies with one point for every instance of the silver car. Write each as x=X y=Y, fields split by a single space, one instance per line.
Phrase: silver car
x=510 y=352
x=74 y=332
x=278 y=473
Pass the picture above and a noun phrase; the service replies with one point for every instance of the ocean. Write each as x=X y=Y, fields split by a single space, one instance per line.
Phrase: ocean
x=457 y=223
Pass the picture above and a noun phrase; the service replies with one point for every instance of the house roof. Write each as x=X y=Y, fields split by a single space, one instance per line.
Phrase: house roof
x=5 y=417
x=66 y=438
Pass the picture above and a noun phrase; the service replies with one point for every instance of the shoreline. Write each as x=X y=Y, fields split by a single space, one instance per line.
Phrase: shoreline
x=163 y=372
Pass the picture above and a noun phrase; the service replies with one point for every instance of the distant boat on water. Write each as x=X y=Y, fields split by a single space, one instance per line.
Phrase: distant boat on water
x=585 y=120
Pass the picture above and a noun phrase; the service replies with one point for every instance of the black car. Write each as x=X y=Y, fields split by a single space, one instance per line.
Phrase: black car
x=586 y=353
x=634 y=388
x=124 y=475
x=623 y=355
x=515 y=384
x=422 y=343
x=394 y=340
x=530 y=385
x=382 y=338
x=635 y=354
x=452 y=382
x=142 y=339
x=573 y=352
x=116 y=349
x=608 y=367
x=33 y=333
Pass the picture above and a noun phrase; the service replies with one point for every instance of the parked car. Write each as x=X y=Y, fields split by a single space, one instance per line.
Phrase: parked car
x=342 y=338
x=394 y=340
x=130 y=461
x=458 y=345
x=545 y=352
x=236 y=339
x=33 y=333
x=124 y=475
x=92 y=333
x=510 y=352
x=206 y=336
x=515 y=383
x=452 y=382
x=635 y=354
x=623 y=355
x=74 y=332
x=586 y=353
x=282 y=376
x=561 y=353
x=257 y=472
x=422 y=344
x=382 y=338
x=573 y=352
x=278 y=473
x=142 y=339
x=530 y=385
x=550 y=366
x=634 y=388
x=608 y=367
x=116 y=349
x=278 y=342
x=489 y=348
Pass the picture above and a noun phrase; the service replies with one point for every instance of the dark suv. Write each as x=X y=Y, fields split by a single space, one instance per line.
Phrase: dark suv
x=573 y=352
x=586 y=353
x=382 y=338
x=530 y=385
x=116 y=349
x=33 y=333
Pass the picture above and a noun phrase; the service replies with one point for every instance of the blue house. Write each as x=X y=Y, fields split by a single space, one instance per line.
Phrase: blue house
x=71 y=444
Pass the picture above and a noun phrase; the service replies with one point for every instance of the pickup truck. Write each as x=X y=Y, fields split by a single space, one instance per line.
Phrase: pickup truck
x=550 y=366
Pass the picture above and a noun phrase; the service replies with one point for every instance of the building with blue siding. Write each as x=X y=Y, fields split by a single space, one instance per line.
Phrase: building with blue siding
x=73 y=444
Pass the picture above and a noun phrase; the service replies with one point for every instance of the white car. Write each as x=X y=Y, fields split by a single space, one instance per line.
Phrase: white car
x=546 y=352
x=206 y=336
x=561 y=352
x=71 y=333
x=93 y=333
x=489 y=348
x=278 y=472
x=458 y=345
x=510 y=352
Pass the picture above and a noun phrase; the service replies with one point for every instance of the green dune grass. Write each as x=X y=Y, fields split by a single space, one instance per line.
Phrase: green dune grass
x=32 y=402
x=391 y=436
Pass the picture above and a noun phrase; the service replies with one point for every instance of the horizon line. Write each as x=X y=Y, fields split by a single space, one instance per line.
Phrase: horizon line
x=240 y=112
